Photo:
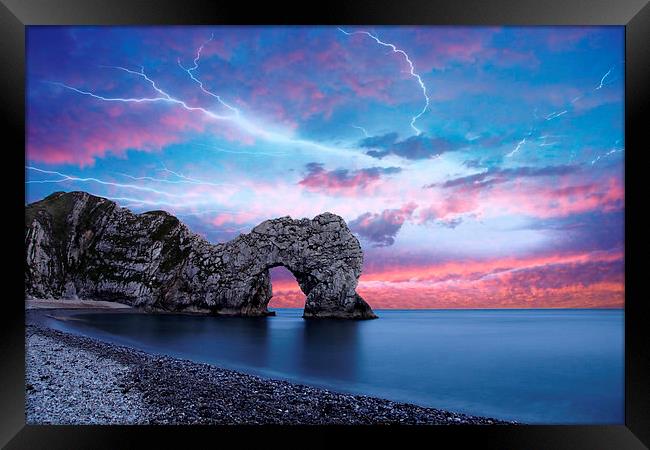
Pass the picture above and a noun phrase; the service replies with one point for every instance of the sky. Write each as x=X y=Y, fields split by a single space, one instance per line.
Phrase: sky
x=479 y=167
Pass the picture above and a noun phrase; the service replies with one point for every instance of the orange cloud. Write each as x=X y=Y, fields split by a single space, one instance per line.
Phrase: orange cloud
x=581 y=280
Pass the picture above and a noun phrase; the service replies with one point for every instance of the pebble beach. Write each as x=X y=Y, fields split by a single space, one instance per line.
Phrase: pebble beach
x=73 y=379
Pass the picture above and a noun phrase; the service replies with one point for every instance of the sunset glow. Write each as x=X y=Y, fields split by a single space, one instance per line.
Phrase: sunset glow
x=479 y=167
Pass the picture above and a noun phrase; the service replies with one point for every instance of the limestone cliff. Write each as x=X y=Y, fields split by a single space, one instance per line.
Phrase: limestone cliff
x=82 y=246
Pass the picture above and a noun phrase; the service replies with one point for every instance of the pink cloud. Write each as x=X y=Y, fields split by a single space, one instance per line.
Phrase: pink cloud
x=537 y=199
x=507 y=57
x=282 y=60
x=81 y=130
x=344 y=181
x=371 y=87
x=79 y=136
x=575 y=280
x=563 y=39
x=440 y=47
x=236 y=218
x=562 y=201
x=380 y=229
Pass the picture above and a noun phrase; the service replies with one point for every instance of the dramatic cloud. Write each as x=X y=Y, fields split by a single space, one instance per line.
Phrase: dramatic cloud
x=549 y=194
x=414 y=147
x=584 y=232
x=381 y=229
x=79 y=131
x=534 y=200
x=383 y=141
x=574 y=280
x=473 y=163
x=342 y=181
x=496 y=176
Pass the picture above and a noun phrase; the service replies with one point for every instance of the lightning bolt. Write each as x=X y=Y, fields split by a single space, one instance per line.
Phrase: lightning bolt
x=548 y=144
x=556 y=114
x=163 y=96
x=184 y=203
x=135 y=202
x=517 y=148
x=189 y=180
x=602 y=80
x=190 y=72
x=569 y=106
x=240 y=152
x=239 y=121
x=363 y=130
x=521 y=143
x=65 y=177
x=185 y=180
x=614 y=149
x=108 y=99
x=413 y=73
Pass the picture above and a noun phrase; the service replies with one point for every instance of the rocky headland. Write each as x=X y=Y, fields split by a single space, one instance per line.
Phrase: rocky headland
x=80 y=246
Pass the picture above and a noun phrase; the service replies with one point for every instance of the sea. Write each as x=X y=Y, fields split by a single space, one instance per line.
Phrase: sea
x=534 y=366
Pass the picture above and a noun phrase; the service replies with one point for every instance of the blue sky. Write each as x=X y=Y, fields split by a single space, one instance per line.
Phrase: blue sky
x=491 y=157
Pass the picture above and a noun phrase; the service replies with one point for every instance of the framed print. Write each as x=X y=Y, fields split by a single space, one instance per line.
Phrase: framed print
x=375 y=219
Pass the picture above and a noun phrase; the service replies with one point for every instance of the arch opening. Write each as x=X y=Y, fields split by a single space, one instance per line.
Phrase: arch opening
x=286 y=292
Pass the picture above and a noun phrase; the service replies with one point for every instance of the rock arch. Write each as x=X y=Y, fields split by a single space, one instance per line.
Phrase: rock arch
x=82 y=246
x=322 y=254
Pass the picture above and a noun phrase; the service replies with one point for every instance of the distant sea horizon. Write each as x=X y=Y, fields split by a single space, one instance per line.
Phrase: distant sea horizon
x=472 y=309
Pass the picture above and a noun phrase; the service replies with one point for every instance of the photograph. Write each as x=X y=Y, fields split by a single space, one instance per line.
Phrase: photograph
x=325 y=225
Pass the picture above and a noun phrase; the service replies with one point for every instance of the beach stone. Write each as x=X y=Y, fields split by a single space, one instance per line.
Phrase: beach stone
x=86 y=380
x=87 y=247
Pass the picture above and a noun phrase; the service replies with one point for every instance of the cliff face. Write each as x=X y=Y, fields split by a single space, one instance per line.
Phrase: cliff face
x=82 y=246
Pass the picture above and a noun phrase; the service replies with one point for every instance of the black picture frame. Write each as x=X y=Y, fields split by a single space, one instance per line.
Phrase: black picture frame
x=16 y=14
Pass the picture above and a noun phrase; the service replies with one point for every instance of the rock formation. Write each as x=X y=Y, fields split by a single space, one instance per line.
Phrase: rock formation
x=82 y=246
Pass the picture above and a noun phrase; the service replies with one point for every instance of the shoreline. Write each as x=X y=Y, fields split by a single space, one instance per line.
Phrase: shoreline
x=72 y=379
x=33 y=303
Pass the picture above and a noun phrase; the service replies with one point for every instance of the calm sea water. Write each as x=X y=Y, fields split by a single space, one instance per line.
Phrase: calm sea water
x=533 y=366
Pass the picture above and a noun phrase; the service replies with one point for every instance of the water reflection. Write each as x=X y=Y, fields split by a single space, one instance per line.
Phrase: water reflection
x=533 y=366
x=194 y=335
x=329 y=349
x=238 y=339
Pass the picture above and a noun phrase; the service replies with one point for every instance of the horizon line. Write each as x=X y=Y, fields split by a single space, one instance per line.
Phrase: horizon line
x=476 y=309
